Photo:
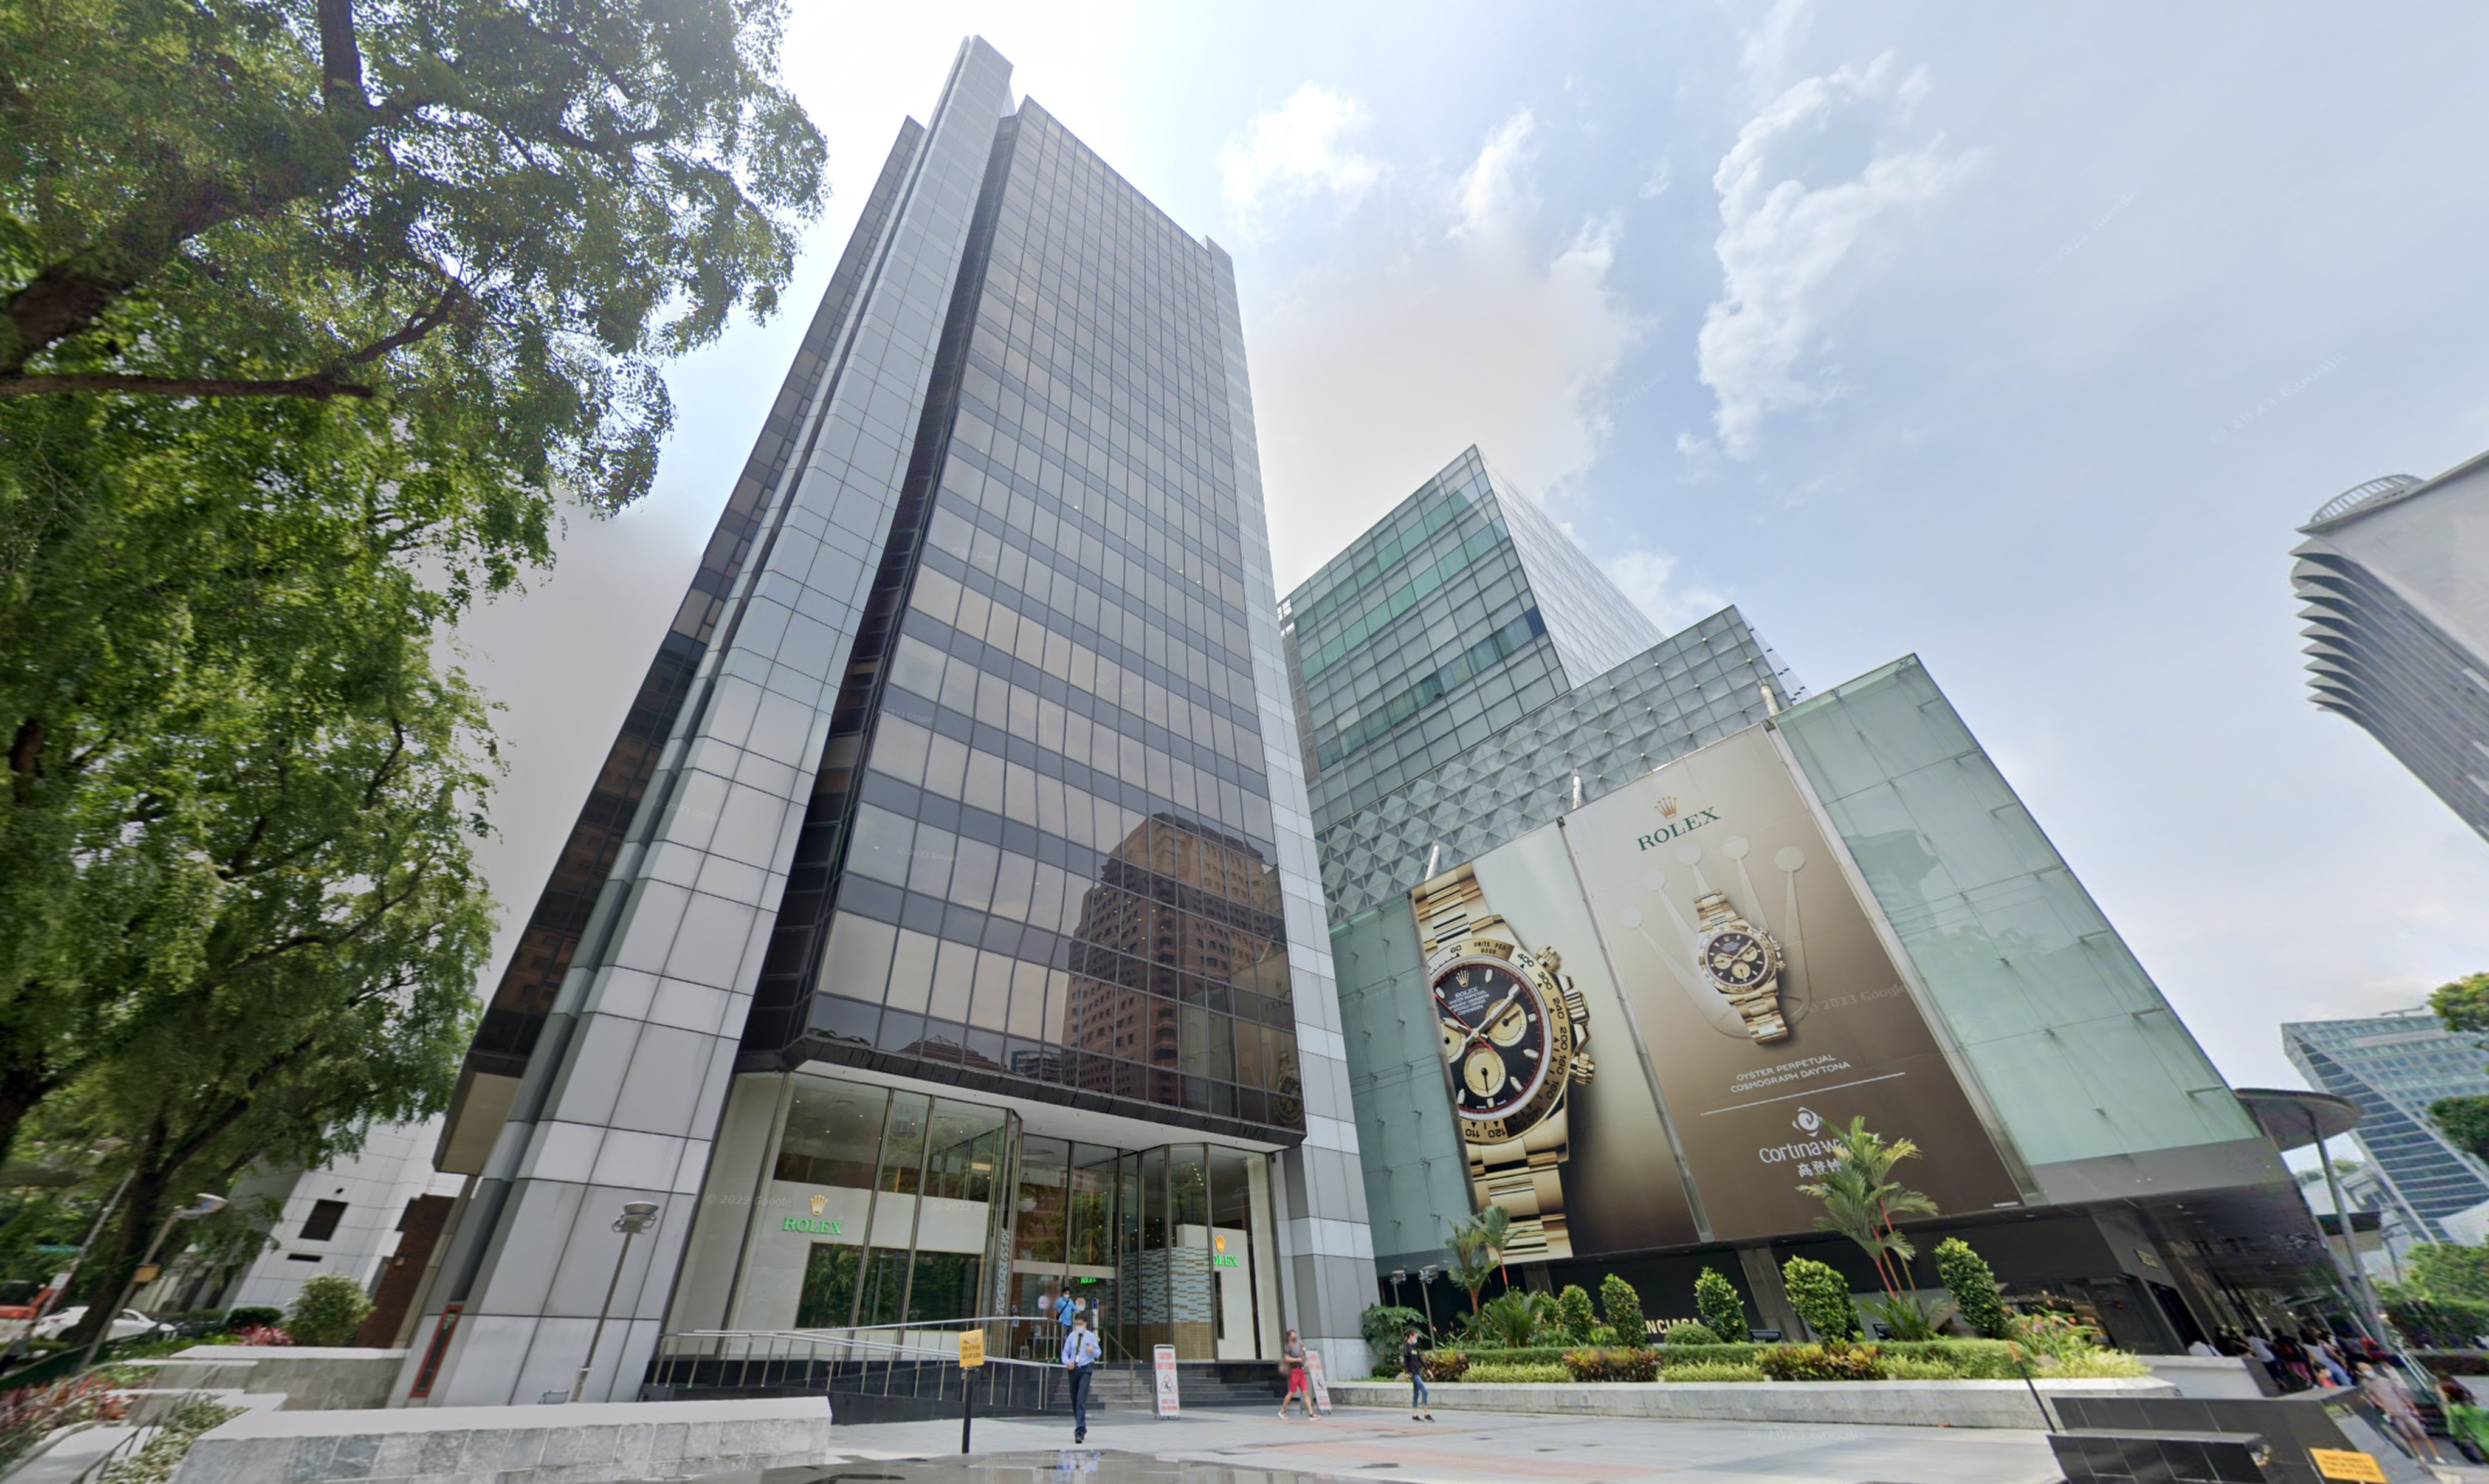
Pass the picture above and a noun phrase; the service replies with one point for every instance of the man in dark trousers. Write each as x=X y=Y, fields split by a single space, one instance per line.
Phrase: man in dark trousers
x=1080 y=1358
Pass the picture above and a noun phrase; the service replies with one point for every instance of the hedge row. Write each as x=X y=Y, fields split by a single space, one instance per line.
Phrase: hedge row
x=1966 y=1360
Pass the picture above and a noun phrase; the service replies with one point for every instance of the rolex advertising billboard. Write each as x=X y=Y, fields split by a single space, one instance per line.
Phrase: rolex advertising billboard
x=1678 y=980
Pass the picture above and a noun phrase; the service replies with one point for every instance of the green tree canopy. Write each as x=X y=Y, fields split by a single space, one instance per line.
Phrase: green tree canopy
x=497 y=219
x=2464 y=1004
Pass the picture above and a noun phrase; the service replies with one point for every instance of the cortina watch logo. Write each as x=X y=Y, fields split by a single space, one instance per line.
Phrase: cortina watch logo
x=1808 y=1120
x=1676 y=822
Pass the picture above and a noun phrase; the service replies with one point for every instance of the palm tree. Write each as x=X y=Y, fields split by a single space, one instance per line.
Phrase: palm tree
x=1862 y=1201
x=1478 y=1250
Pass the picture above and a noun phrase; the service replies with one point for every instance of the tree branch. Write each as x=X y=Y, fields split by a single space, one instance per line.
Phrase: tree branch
x=341 y=59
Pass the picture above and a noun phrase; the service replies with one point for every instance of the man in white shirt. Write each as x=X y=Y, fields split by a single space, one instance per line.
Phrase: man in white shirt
x=1080 y=1358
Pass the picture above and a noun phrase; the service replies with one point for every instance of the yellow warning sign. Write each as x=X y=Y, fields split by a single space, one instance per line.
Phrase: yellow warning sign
x=972 y=1350
x=2345 y=1465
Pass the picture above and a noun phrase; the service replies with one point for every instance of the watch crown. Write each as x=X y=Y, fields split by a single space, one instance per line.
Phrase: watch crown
x=1583 y=1070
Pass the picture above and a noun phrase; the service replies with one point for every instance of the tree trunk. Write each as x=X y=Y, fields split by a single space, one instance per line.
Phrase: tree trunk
x=24 y=1080
x=141 y=1210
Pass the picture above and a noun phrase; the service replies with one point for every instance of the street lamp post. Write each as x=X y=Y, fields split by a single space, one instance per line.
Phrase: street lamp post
x=1426 y=1296
x=636 y=1217
x=204 y=1204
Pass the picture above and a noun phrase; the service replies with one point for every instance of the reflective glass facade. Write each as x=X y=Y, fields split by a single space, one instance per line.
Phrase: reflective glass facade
x=2393 y=1067
x=1460 y=613
x=881 y=1207
x=1039 y=850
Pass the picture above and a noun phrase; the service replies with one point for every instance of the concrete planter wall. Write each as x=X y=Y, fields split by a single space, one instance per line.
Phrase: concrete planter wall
x=310 y=1378
x=1890 y=1403
x=590 y=1444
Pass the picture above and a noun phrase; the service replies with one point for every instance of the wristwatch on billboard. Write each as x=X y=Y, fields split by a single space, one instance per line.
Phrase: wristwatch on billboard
x=1513 y=1026
x=1742 y=963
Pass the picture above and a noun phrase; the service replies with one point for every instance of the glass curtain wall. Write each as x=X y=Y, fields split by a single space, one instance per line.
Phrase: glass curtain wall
x=891 y=1207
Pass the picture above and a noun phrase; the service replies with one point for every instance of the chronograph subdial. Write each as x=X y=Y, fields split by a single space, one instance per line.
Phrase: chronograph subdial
x=1736 y=960
x=1494 y=1027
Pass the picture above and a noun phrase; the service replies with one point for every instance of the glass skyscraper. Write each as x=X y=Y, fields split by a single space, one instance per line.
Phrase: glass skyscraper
x=943 y=934
x=2395 y=575
x=2394 y=1066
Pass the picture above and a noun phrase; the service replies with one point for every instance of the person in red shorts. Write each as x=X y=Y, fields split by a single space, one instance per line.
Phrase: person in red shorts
x=1293 y=1355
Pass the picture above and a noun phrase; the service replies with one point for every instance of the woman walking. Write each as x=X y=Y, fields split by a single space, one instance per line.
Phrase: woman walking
x=1292 y=1356
x=1413 y=1359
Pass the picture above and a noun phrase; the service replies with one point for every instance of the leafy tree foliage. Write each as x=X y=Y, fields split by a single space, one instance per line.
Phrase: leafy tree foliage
x=328 y=1309
x=1723 y=1310
x=1821 y=1295
x=1478 y=1250
x=497 y=218
x=1384 y=1326
x=1622 y=1307
x=1574 y=1312
x=2448 y=1270
x=2464 y=1004
x=1973 y=1285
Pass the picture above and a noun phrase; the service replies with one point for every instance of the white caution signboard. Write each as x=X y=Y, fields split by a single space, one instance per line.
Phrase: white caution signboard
x=1168 y=1403
x=1313 y=1373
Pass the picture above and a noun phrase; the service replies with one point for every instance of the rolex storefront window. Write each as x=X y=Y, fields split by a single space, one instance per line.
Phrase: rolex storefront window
x=884 y=1206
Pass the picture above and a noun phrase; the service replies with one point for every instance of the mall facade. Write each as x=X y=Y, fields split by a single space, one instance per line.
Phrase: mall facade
x=943 y=932
x=1626 y=933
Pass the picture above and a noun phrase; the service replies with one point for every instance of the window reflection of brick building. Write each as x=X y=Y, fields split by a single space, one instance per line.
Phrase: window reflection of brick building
x=1180 y=978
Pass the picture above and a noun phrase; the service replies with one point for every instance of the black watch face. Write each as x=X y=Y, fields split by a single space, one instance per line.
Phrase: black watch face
x=1736 y=960
x=1494 y=1024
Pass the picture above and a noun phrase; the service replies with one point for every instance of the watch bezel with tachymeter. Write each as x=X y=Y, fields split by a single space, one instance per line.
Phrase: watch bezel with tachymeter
x=1558 y=1010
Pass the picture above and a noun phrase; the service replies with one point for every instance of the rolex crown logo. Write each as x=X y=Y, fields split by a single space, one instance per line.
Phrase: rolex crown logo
x=820 y=1203
x=1668 y=806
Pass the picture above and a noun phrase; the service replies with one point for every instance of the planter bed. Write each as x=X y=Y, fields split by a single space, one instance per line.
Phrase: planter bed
x=1889 y=1403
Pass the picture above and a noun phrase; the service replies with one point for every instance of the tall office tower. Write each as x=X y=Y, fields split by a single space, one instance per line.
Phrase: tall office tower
x=2393 y=1067
x=943 y=932
x=1465 y=608
x=2395 y=575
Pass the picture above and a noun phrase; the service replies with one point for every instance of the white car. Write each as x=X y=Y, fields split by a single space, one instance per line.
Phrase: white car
x=129 y=1325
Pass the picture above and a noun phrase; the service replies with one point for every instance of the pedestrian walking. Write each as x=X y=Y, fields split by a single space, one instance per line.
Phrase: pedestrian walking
x=1292 y=1355
x=2402 y=1413
x=1413 y=1359
x=1080 y=1358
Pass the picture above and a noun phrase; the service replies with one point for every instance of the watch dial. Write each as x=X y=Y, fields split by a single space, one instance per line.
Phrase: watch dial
x=1495 y=1034
x=1736 y=960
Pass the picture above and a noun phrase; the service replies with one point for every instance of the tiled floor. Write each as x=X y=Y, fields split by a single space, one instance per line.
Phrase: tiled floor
x=1247 y=1447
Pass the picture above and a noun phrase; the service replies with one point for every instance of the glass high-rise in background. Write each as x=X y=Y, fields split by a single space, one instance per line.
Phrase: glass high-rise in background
x=943 y=933
x=2395 y=575
x=2394 y=1066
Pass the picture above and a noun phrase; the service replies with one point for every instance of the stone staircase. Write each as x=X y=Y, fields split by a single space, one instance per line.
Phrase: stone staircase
x=1133 y=1386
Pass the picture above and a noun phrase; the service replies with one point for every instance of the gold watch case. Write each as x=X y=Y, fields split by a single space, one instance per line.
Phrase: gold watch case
x=1565 y=1016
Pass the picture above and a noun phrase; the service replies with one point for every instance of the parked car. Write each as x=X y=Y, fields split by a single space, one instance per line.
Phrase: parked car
x=130 y=1325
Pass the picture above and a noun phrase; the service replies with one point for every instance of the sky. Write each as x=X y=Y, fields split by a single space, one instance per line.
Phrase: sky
x=2017 y=338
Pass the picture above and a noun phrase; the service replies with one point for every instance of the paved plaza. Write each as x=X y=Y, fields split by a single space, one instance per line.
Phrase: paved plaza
x=1213 y=1447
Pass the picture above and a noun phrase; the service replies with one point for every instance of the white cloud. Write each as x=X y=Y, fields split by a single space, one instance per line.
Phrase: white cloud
x=1781 y=244
x=1769 y=49
x=1495 y=190
x=1660 y=179
x=1376 y=366
x=1294 y=151
x=1649 y=578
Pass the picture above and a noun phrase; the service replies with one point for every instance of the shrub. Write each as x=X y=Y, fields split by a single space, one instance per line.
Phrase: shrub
x=1688 y=1331
x=252 y=1316
x=2095 y=1365
x=1968 y=1277
x=163 y=1453
x=1821 y=1297
x=1822 y=1362
x=1385 y=1325
x=1604 y=1335
x=264 y=1334
x=1911 y=1368
x=1674 y=1358
x=1713 y=1370
x=327 y=1310
x=1445 y=1364
x=1623 y=1310
x=2052 y=1335
x=1620 y=1364
x=1514 y=1373
x=1574 y=1313
x=1966 y=1360
x=1504 y=1355
x=1512 y=1319
x=1716 y=1299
